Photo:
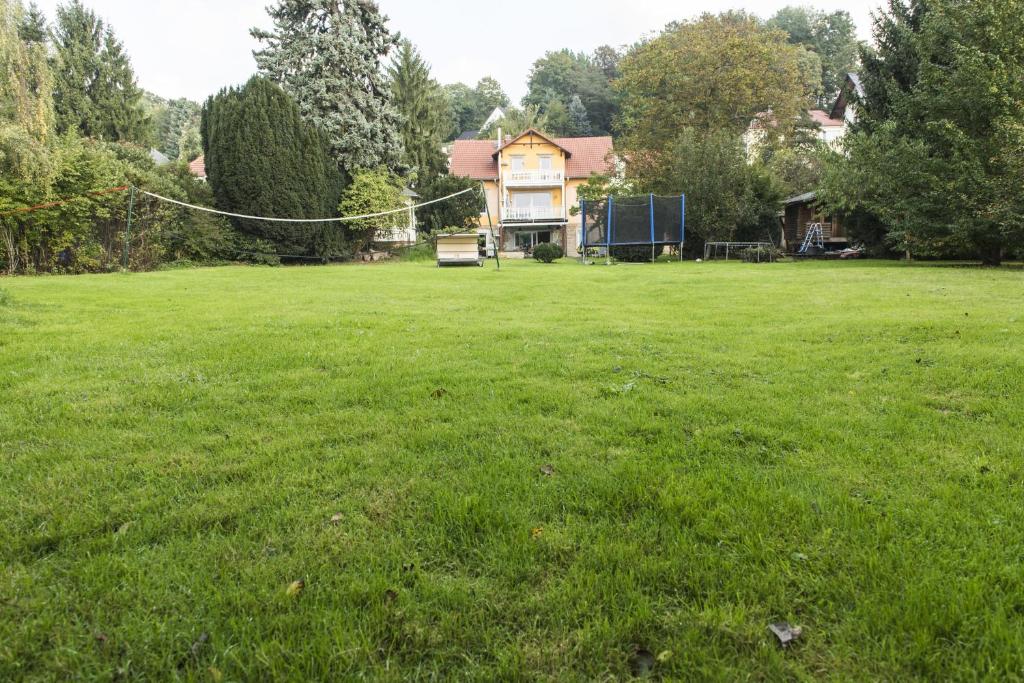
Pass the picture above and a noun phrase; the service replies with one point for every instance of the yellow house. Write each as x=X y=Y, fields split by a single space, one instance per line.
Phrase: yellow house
x=531 y=182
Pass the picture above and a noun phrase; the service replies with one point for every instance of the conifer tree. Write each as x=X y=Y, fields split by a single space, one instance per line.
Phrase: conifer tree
x=95 y=92
x=262 y=159
x=424 y=109
x=579 y=121
x=327 y=54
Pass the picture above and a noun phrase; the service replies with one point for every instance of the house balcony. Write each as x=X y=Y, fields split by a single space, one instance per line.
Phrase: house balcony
x=542 y=178
x=532 y=214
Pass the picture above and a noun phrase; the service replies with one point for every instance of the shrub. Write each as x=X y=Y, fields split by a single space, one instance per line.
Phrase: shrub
x=632 y=254
x=761 y=254
x=547 y=252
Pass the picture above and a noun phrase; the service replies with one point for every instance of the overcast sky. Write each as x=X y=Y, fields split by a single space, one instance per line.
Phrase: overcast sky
x=192 y=48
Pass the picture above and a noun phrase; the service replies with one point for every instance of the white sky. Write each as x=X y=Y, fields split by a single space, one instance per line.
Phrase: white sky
x=192 y=48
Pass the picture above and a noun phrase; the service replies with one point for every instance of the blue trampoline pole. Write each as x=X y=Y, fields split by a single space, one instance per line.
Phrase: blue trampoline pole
x=682 y=226
x=583 y=230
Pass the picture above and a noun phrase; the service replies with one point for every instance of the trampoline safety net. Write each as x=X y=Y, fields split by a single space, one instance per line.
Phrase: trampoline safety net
x=625 y=221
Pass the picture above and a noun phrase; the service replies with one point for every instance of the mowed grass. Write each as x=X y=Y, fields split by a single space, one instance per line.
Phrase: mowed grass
x=838 y=446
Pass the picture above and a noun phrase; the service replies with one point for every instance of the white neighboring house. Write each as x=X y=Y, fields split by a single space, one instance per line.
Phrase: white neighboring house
x=158 y=157
x=832 y=125
x=497 y=115
x=401 y=235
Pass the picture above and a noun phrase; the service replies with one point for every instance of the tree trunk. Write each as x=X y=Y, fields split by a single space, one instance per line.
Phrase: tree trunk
x=992 y=256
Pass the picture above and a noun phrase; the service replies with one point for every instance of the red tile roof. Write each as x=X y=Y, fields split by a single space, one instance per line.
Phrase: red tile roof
x=824 y=120
x=198 y=167
x=475 y=158
x=589 y=156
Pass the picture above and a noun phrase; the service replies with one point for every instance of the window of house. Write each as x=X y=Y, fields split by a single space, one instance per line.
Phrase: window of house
x=526 y=200
x=518 y=163
x=545 y=162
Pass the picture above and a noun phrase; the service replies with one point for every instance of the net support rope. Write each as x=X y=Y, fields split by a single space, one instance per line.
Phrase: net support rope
x=342 y=219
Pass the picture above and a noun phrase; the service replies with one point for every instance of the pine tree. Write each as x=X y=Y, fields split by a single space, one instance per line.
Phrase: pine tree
x=327 y=54
x=95 y=92
x=424 y=109
x=262 y=159
x=579 y=121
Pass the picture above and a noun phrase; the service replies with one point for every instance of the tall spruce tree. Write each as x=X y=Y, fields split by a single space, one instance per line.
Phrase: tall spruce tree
x=262 y=159
x=424 y=109
x=327 y=54
x=95 y=92
x=579 y=121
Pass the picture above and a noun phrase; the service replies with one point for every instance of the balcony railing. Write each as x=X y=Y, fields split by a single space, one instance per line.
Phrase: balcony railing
x=532 y=213
x=534 y=178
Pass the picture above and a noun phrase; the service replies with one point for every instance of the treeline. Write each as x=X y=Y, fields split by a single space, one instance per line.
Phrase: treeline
x=937 y=154
x=73 y=127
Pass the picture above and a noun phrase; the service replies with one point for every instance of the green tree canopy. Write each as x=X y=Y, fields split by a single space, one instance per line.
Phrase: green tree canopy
x=563 y=75
x=95 y=92
x=328 y=55
x=831 y=36
x=263 y=159
x=715 y=73
x=424 y=111
x=376 y=191
x=948 y=124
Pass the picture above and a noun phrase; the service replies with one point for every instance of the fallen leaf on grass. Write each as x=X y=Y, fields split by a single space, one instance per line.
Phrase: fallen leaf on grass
x=536 y=532
x=641 y=663
x=215 y=674
x=295 y=588
x=785 y=633
x=336 y=519
x=547 y=470
x=440 y=392
x=123 y=529
x=664 y=656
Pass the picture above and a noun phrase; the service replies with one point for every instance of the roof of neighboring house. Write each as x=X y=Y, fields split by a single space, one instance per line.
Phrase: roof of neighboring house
x=858 y=86
x=158 y=157
x=823 y=119
x=198 y=167
x=511 y=140
x=468 y=135
x=474 y=159
x=477 y=159
x=801 y=199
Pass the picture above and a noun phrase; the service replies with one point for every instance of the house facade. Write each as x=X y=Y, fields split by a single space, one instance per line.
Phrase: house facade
x=531 y=182
x=832 y=125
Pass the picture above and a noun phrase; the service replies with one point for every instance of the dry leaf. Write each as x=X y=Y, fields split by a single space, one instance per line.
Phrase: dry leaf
x=440 y=392
x=215 y=674
x=336 y=519
x=537 y=531
x=295 y=587
x=547 y=470
x=664 y=656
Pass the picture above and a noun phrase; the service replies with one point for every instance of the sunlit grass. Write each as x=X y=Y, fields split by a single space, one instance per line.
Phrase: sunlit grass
x=533 y=472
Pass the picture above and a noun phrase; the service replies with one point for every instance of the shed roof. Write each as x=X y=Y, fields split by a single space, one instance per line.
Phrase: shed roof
x=198 y=167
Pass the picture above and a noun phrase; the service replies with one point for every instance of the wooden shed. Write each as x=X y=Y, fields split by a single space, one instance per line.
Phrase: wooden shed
x=462 y=249
x=802 y=211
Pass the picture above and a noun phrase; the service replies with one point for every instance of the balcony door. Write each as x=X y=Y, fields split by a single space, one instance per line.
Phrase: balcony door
x=532 y=200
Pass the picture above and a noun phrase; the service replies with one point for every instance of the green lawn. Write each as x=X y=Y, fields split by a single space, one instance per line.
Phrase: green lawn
x=532 y=472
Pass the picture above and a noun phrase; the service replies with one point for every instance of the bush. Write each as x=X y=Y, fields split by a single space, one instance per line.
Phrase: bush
x=632 y=254
x=547 y=252
x=761 y=254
